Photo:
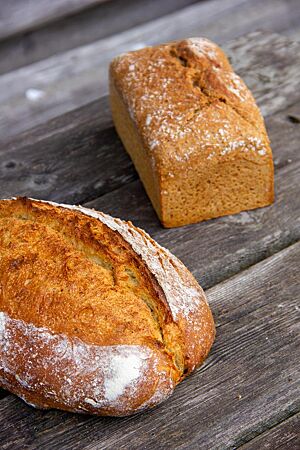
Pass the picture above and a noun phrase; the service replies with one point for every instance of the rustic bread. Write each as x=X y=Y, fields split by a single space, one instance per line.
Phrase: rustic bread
x=193 y=131
x=95 y=316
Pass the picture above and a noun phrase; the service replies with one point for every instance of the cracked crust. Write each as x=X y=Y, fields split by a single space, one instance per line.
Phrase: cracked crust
x=59 y=345
x=193 y=131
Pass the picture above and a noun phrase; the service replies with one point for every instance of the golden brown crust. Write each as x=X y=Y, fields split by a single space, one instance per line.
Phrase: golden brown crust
x=50 y=370
x=193 y=115
x=74 y=279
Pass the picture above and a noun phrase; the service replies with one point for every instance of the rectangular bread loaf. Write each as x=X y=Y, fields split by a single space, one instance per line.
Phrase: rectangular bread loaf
x=193 y=131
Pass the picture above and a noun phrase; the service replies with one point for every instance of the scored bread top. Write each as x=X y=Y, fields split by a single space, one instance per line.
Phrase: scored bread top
x=84 y=278
x=174 y=91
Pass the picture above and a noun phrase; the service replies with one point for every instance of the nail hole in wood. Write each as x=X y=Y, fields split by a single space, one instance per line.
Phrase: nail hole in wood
x=10 y=165
x=293 y=119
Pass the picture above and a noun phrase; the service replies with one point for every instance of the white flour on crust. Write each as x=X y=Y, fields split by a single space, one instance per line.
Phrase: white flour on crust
x=84 y=376
x=78 y=374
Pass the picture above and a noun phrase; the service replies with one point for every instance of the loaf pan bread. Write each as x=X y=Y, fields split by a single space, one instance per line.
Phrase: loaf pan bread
x=95 y=316
x=193 y=131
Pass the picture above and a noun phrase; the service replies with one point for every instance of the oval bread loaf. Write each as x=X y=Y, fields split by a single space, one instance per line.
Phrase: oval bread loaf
x=95 y=316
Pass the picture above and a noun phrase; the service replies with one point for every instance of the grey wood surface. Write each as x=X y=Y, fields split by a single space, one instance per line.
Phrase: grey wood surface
x=248 y=384
x=263 y=231
x=75 y=146
x=104 y=19
x=235 y=242
x=35 y=163
x=286 y=435
x=247 y=392
x=76 y=77
x=22 y=15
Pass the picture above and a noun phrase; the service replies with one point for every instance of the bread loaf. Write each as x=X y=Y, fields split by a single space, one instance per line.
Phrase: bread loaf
x=193 y=131
x=95 y=316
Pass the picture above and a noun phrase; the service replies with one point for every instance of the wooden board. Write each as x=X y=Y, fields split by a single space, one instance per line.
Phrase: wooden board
x=263 y=231
x=79 y=157
x=95 y=22
x=271 y=70
x=76 y=77
x=18 y=16
x=250 y=378
x=247 y=393
x=286 y=435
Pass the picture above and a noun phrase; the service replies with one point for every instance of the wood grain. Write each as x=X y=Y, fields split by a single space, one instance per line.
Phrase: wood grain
x=76 y=77
x=294 y=33
x=237 y=242
x=86 y=26
x=286 y=435
x=219 y=248
x=248 y=384
x=18 y=15
x=247 y=393
x=79 y=157
x=67 y=162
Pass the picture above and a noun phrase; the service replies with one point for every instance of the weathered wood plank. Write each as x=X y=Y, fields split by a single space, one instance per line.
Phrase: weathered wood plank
x=94 y=23
x=239 y=240
x=18 y=16
x=79 y=152
x=76 y=160
x=3 y=393
x=79 y=160
x=271 y=74
x=248 y=384
x=79 y=157
x=74 y=78
x=294 y=33
x=286 y=435
x=217 y=249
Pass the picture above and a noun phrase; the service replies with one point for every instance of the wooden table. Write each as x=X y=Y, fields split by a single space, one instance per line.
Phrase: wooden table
x=247 y=392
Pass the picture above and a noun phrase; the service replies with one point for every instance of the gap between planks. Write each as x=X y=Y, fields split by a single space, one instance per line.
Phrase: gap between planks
x=286 y=435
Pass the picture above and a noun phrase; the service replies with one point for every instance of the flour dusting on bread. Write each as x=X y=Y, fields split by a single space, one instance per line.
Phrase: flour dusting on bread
x=47 y=355
x=205 y=129
x=171 y=104
x=77 y=372
x=125 y=369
